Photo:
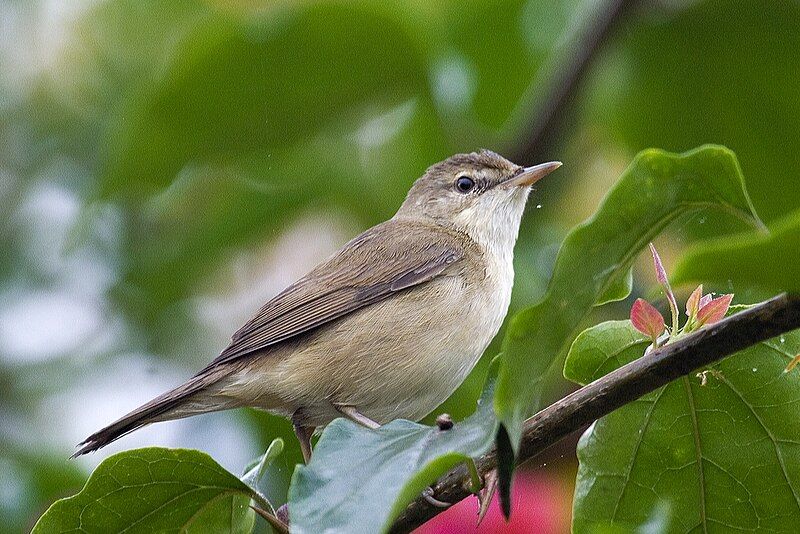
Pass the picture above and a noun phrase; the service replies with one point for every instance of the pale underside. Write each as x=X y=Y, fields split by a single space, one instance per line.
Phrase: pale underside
x=390 y=360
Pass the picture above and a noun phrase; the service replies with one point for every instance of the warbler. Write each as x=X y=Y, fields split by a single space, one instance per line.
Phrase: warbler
x=386 y=328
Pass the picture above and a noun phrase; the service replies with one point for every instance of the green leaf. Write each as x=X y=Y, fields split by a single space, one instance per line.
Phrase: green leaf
x=360 y=479
x=591 y=353
x=256 y=470
x=155 y=490
x=689 y=457
x=657 y=188
x=693 y=41
x=756 y=259
x=618 y=289
x=261 y=473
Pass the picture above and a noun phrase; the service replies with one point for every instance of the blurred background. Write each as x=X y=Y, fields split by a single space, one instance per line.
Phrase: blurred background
x=166 y=167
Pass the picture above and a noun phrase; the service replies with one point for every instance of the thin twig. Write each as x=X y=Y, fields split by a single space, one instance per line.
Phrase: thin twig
x=544 y=127
x=277 y=525
x=623 y=385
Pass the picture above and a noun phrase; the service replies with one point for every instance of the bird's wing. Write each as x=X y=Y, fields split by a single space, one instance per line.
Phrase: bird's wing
x=370 y=268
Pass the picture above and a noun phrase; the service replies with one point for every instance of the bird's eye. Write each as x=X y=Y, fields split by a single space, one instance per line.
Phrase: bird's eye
x=465 y=184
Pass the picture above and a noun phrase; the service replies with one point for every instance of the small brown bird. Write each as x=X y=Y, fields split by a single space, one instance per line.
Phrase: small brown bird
x=388 y=327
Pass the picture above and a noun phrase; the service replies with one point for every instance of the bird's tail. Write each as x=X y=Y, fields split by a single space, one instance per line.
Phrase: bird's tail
x=190 y=398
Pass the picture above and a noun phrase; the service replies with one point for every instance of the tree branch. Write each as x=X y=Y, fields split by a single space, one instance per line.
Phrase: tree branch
x=623 y=385
x=542 y=129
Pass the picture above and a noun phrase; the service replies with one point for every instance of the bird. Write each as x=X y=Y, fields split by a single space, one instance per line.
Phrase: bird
x=387 y=327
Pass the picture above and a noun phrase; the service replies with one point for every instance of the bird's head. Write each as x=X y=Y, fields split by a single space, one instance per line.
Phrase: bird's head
x=480 y=193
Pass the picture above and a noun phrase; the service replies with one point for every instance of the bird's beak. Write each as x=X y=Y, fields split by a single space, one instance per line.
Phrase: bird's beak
x=531 y=175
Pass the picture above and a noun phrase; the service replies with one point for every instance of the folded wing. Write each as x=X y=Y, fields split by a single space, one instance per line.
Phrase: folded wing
x=386 y=259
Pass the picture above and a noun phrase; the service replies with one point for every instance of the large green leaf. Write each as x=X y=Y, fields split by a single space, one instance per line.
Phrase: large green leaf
x=758 y=259
x=744 y=97
x=719 y=457
x=155 y=490
x=657 y=188
x=359 y=479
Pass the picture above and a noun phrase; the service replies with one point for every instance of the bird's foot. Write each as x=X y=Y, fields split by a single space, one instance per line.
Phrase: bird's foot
x=427 y=494
x=354 y=415
x=486 y=493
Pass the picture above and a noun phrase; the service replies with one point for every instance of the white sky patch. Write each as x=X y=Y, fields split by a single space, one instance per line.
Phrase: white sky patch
x=118 y=386
x=38 y=325
x=66 y=312
x=34 y=38
x=380 y=130
x=454 y=82
x=43 y=222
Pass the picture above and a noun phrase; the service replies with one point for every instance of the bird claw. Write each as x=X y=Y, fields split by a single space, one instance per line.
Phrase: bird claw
x=486 y=493
x=427 y=494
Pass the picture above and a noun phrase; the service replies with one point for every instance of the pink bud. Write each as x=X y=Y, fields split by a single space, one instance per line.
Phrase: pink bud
x=705 y=300
x=693 y=302
x=661 y=274
x=714 y=310
x=646 y=319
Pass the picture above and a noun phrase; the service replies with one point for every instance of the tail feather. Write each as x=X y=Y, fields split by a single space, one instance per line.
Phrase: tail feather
x=169 y=405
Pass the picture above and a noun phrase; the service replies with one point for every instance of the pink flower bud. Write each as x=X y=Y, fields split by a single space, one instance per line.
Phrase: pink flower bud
x=693 y=302
x=714 y=310
x=661 y=274
x=705 y=300
x=646 y=319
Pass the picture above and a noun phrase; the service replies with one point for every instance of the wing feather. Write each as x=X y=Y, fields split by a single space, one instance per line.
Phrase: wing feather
x=373 y=266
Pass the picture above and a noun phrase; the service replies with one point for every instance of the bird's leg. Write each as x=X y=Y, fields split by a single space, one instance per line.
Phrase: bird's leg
x=354 y=415
x=303 y=434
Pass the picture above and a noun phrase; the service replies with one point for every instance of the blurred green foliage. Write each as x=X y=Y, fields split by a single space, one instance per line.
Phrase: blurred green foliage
x=725 y=70
x=757 y=260
x=149 y=149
